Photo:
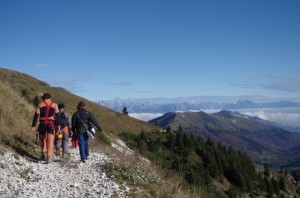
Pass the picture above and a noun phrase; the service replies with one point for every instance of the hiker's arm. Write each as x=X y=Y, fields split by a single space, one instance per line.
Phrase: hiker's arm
x=35 y=119
x=57 y=117
x=94 y=122
x=57 y=121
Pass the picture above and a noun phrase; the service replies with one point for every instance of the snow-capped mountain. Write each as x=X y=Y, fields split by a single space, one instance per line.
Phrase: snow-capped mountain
x=161 y=105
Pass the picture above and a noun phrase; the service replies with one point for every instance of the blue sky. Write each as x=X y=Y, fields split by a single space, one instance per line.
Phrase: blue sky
x=102 y=50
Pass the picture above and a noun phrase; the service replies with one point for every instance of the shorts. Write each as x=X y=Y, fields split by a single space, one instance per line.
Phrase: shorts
x=46 y=128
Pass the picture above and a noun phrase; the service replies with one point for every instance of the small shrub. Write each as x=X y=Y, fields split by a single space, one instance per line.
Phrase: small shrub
x=102 y=138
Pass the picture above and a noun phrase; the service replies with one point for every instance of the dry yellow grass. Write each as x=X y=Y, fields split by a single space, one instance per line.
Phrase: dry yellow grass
x=15 y=84
x=15 y=112
x=17 y=94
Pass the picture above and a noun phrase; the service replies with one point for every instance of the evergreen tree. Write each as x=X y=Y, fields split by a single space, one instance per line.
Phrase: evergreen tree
x=168 y=129
x=296 y=175
x=170 y=144
x=125 y=110
x=282 y=184
x=266 y=170
x=211 y=165
x=262 y=184
x=270 y=188
x=179 y=142
x=275 y=186
x=180 y=129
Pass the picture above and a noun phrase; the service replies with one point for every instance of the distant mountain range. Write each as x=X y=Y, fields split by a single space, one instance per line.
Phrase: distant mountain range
x=262 y=142
x=150 y=107
x=164 y=106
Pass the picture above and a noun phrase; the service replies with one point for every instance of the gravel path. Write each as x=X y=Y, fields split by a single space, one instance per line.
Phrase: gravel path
x=20 y=177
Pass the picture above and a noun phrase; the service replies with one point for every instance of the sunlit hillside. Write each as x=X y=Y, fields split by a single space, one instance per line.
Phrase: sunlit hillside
x=19 y=92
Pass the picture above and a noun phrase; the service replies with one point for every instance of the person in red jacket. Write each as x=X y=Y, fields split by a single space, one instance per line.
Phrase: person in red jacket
x=47 y=113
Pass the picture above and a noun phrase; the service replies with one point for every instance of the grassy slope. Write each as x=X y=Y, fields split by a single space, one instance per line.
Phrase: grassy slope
x=16 y=113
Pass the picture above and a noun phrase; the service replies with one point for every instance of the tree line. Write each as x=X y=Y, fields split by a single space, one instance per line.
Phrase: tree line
x=199 y=161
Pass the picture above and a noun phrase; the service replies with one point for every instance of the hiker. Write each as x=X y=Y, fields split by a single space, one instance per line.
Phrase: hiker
x=80 y=120
x=62 y=136
x=47 y=113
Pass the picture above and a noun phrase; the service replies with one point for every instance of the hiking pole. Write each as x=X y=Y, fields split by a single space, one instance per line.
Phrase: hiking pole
x=36 y=141
x=36 y=137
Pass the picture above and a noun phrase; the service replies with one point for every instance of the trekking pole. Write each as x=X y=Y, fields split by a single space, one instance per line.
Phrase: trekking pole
x=36 y=137
x=36 y=141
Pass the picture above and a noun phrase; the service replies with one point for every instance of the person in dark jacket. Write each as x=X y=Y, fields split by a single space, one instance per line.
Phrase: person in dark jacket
x=80 y=120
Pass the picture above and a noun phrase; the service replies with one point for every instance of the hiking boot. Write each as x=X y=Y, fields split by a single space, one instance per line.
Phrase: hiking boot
x=49 y=159
x=66 y=155
x=43 y=156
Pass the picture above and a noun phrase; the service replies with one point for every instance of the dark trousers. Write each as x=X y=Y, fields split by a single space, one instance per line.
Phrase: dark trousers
x=83 y=142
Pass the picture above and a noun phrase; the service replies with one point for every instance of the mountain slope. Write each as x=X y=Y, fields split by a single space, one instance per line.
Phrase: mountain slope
x=263 y=143
x=20 y=91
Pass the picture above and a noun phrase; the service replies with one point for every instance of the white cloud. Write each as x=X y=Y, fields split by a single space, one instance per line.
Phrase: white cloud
x=289 y=119
x=145 y=116
x=285 y=117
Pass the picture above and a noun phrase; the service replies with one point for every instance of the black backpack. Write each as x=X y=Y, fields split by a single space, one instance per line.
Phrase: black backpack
x=63 y=119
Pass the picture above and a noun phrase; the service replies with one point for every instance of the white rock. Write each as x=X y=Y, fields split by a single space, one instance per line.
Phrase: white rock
x=25 y=178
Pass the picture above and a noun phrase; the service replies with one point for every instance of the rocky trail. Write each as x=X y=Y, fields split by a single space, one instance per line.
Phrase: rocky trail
x=21 y=177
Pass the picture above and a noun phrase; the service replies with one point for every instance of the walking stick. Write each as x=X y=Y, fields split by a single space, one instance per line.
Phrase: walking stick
x=36 y=137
